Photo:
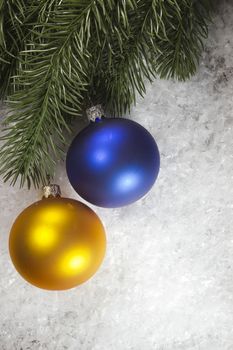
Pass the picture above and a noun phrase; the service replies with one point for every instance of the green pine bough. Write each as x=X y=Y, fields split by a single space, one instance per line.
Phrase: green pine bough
x=58 y=57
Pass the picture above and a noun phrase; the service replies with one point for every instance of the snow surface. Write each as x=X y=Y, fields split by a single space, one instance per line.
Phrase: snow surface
x=167 y=279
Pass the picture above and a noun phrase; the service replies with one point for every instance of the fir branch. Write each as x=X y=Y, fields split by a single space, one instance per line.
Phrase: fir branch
x=18 y=18
x=162 y=38
x=13 y=30
x=62 y=55
x=133 y=59
x=186 y=26
x=47 y=86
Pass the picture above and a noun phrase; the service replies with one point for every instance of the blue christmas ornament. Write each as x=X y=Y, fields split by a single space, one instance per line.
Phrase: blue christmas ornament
x=112 y=162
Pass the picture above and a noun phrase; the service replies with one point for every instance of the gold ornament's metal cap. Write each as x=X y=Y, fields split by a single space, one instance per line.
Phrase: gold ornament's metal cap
x=95 y=112
x=51 y=190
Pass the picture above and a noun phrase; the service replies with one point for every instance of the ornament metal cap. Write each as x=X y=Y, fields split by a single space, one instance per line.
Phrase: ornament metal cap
x=51 y=190
x=95 y=112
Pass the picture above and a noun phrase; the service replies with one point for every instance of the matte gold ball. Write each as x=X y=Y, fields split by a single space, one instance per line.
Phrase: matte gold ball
x=57 y=243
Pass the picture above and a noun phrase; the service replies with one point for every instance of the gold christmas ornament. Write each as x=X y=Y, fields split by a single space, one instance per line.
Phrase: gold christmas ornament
x=57 y=243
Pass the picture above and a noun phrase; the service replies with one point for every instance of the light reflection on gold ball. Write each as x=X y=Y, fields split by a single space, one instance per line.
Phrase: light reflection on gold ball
x=57 y=243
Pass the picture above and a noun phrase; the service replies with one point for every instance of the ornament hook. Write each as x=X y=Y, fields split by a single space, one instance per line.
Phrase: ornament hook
x=94 y=113
x=51 y=190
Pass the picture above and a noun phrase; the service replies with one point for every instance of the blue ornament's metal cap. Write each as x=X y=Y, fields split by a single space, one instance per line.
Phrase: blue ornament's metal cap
x=95 y=113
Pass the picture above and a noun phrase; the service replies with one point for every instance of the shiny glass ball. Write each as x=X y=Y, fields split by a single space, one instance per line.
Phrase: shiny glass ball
x=113 y=162
x=57 y=243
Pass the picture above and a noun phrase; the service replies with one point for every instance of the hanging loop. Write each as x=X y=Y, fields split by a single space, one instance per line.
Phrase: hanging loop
x=51 y=190
x=95 y=112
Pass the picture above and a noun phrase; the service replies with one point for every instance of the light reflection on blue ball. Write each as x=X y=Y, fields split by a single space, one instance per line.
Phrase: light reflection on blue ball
x=113 y=163
x=100 y=156
x=127 y=181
